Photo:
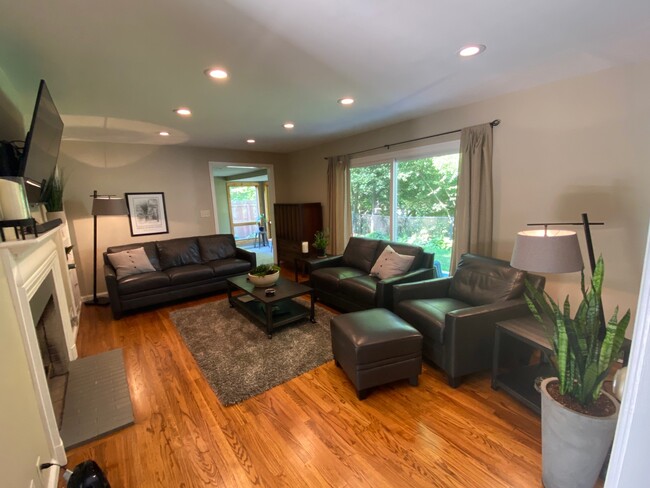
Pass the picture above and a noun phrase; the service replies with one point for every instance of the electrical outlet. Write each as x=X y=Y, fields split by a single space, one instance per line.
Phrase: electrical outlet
x=205 y=213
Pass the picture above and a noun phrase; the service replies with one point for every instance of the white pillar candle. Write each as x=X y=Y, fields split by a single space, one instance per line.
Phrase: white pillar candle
x=305 y=247
x=13 y=200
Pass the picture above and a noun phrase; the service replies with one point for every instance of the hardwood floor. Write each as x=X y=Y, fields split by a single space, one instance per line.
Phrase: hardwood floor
x=309 y=432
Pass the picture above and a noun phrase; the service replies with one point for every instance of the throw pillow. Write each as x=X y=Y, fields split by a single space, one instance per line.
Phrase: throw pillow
x=390 y=263
x=132 y=261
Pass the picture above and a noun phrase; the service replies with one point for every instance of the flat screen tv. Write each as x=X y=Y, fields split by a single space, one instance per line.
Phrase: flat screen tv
x=41 y=145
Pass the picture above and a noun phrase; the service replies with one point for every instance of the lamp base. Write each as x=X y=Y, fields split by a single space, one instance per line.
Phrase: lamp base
x=98 y=301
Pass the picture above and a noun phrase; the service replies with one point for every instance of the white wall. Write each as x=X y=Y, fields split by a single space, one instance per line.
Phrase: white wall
x=565 y=148
x=181 y=172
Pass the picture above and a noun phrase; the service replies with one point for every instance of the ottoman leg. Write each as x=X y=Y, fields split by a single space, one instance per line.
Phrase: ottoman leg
x=413 y=381
x=362 y=394
x=338 y=365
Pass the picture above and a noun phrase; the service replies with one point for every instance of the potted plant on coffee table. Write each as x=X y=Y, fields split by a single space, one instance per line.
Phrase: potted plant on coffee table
x=264 y=275
x=320 y=243
x=578 y=418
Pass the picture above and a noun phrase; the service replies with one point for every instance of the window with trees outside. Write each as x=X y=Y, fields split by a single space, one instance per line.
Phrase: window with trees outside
x=408 y=197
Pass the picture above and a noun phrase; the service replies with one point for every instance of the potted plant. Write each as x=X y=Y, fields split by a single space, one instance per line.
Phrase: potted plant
x=578 y=418
x=53 y=195
x=320 y=243
x=264 y=275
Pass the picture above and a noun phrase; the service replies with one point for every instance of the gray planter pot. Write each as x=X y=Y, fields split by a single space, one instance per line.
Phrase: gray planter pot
x=574 y=445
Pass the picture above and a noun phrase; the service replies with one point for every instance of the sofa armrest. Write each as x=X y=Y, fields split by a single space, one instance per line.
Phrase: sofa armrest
x=435 y=288
x=113 y=294
x=384 y=293
x=328 y=262
x=469 y=334
x=251 y=257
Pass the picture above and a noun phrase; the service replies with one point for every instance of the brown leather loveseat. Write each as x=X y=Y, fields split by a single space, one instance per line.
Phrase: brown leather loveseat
x=345 y=281
x=175 y=269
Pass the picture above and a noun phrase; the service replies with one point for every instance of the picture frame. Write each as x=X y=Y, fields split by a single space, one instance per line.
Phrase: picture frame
x=147 y=213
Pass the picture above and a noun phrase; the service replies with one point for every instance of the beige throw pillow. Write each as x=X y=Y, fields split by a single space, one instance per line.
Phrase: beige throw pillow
x=390 y=263
x=131 y=261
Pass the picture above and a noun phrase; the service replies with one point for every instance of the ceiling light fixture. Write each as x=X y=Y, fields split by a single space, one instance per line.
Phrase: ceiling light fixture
x=163 y=133
x=471 y=50
x=241 y=167
x=216 y=73
x=346 y=101
x=250 y=141
x=289 y=125
x=183 y=111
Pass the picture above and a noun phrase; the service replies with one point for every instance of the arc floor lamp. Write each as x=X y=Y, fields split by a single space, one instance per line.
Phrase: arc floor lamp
x=103 y=205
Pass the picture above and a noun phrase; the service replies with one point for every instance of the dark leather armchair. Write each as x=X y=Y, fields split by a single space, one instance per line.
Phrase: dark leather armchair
x=457 y=315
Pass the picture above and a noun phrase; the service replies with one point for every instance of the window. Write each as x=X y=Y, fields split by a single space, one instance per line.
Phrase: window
x=409 y=197
x=246 y=205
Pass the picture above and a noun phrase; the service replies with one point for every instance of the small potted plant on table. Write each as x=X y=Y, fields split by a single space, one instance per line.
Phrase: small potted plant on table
x=264 y=275
x=320 y=243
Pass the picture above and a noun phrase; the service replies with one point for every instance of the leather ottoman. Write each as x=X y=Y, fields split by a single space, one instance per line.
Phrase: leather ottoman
x=375 y=347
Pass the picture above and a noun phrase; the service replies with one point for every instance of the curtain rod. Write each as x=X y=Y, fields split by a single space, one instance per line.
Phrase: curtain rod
x=494 y=123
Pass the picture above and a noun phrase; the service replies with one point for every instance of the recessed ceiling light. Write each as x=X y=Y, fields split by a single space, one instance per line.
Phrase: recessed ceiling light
x=250 y=141
x=183 y=111
x=346 y=101
x=164 y=133
x=242 y=167
x=288 y=125
x=217 y=73
x=471 y=50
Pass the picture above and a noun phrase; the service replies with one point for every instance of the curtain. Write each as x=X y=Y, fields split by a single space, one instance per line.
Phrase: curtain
x=338 y=203
x=473 y=219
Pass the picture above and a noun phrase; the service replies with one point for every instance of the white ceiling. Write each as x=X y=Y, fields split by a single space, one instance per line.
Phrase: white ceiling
x=117 y=68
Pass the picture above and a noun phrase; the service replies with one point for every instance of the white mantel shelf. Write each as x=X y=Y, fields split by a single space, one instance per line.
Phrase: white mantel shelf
x=19 y=245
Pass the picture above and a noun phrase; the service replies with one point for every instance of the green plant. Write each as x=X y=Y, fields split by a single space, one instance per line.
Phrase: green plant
x=264 y=269
x=320 y=240
x=582 y=359
x=53 y=191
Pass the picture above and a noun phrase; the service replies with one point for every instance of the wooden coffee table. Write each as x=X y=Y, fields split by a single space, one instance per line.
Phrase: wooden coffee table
x=271 y=311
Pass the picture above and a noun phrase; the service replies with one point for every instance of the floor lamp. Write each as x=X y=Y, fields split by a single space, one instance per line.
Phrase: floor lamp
x=103 y=205
x=555 y=251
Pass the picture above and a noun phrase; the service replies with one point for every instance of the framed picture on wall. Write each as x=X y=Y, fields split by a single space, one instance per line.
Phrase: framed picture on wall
x=147 y=213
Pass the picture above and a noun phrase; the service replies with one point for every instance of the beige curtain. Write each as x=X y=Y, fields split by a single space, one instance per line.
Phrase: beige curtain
x=473 y=220
x=338 y=203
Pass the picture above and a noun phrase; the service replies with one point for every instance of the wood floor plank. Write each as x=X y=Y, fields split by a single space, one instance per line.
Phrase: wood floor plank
x=311 y=431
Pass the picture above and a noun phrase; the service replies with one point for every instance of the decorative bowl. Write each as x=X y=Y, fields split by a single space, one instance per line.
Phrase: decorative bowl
x=264 y=281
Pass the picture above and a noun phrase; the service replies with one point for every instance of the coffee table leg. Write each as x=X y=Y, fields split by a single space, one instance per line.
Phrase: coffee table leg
x=230 y=295
x=312 y=318
x=269 y=319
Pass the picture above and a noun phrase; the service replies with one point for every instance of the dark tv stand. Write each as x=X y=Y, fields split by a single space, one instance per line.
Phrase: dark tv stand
x=22 y=227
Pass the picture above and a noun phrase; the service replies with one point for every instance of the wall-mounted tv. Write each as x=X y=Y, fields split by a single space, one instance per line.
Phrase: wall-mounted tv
x=41 y=145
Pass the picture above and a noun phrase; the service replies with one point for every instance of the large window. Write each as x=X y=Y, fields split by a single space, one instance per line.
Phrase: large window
x=407 y=199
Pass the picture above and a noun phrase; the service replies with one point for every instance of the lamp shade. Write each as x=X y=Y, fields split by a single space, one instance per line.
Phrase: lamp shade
x=547 y=251
x=109 y=206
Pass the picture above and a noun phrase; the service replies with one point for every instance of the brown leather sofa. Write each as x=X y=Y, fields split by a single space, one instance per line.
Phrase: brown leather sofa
x=184 y=268
x=344 y=281
x=457 y=315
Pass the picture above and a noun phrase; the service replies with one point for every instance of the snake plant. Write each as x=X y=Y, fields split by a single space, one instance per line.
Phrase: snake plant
x=582 y=358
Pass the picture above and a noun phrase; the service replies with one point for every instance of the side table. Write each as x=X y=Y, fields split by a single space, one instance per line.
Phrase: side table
x=520 y=381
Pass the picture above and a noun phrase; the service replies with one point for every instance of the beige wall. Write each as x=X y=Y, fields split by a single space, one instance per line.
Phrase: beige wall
x=181 y=172
x=575 y=146
x=221 y=197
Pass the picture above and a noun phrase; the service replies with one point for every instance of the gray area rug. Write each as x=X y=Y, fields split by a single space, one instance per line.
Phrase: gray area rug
x=239 y=360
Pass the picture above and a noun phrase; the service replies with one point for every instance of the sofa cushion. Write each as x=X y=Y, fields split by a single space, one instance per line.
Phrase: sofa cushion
x=130 y=261
x=142 y=282
x=327 y=279
x=428 y=315
x=229 y=266
x=360 y=289
x=178 y=252
x=219 y=246
x=189 y=273
x=149 y=248
x=360 y=253
x=479 y=280
x=405 y=250
x=390 y=263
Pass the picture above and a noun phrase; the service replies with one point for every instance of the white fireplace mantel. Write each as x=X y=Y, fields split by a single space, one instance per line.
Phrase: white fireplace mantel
x=27 y=264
